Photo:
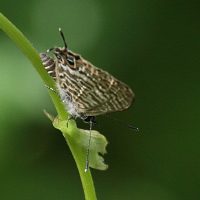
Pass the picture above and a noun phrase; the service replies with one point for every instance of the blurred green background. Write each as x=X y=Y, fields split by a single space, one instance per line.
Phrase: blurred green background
x=152 y=46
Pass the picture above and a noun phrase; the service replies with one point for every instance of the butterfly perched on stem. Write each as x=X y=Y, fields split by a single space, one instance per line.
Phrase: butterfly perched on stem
x=85 y=90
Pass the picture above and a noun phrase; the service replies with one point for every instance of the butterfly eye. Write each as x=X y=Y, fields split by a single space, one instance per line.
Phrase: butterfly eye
x=59 y=57
x=71 y=62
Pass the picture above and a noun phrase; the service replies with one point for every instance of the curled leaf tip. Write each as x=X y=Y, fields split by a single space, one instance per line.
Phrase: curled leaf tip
x=51 y=117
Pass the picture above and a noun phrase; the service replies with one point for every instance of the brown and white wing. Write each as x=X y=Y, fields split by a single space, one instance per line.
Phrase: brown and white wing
x=120 y=98
x=92 y=90
x=97 y=92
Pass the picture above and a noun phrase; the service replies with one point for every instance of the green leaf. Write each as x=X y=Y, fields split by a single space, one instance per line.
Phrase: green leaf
x=79 y=139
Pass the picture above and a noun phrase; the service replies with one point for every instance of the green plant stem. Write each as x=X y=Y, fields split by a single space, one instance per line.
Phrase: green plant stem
x=30 y=52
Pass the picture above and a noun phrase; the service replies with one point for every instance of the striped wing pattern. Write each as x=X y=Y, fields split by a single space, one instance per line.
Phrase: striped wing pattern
x=91 y=90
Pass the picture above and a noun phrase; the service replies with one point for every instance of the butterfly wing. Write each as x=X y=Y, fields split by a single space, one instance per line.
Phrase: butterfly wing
x=96 y=92
x=90 y=90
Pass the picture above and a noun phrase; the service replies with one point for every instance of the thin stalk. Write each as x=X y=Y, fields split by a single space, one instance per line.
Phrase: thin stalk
x=31 y=53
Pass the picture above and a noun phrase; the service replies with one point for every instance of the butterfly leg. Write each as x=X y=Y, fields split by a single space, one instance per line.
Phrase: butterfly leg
x=70 y=117
x=91 y=120
x=53 y=90
x=66 y=98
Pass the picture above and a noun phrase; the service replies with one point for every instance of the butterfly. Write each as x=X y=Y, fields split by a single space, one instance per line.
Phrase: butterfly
x=85 y=90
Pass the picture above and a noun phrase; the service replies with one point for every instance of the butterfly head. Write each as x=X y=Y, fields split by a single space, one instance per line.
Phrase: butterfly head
x=63 y=55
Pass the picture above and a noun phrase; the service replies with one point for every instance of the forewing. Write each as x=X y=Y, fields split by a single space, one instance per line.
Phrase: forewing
x=120 y=98
x=97 y=92
x=92 y=90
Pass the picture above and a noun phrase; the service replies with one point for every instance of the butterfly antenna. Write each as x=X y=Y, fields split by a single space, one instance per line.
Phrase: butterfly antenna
x=88 y=148
x=48 y=50
x=61 y=33
x=131 y=127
